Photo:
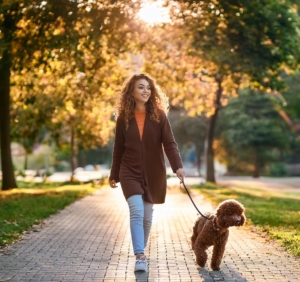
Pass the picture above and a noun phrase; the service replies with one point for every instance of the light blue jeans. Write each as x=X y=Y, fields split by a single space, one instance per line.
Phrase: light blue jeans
x=140 y=222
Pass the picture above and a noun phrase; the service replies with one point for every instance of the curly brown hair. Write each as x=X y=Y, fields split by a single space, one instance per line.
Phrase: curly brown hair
x=126 y=104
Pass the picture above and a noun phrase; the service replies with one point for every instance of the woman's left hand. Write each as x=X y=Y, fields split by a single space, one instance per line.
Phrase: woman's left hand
x=180 y=174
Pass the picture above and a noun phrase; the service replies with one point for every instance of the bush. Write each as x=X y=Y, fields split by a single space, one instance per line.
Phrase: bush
x=278 y=169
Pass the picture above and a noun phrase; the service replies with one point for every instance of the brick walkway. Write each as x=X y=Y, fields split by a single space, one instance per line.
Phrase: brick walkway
x=90 y=241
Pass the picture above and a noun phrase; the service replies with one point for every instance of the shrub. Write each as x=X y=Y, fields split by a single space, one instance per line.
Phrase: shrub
x=278 y=169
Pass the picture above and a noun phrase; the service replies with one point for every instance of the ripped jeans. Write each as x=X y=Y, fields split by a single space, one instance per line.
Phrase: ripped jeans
x=140 y=222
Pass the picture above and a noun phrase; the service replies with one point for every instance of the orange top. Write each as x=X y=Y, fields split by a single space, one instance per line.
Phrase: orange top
x=140 y=120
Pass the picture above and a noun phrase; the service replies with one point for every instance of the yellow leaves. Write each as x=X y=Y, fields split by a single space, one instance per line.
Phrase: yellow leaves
x=59 y=31
x=222 y=25
x=22 y=23
x=267 y=42
x=78 y=26
x=54 y=120
x=37 y=54
x=77 y=92
x=70 y=107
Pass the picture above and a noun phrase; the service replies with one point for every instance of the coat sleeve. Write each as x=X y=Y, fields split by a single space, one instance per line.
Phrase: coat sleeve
x=117 y=152
x=169 y=144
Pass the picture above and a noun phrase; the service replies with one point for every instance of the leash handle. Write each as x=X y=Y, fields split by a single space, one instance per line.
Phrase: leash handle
x=194 y=203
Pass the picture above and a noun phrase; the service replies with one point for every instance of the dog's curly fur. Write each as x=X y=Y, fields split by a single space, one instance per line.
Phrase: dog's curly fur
x=215 y=232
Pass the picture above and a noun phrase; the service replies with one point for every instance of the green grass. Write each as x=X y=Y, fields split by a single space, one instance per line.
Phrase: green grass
x=46 y=184
x=275 y=212
x=21 y=208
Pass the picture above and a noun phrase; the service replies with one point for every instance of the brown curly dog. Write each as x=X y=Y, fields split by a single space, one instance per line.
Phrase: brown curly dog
x=215 y=232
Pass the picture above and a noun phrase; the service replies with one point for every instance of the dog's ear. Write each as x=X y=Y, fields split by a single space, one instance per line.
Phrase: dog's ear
x=243 y=219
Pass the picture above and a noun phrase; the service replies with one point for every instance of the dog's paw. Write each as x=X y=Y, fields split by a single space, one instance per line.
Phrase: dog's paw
x=201 y=263
x=215 y=268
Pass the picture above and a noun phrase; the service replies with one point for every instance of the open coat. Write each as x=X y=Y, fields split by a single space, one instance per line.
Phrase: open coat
x=139 y=164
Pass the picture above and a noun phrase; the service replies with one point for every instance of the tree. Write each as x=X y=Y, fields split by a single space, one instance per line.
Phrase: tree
x=78 y=104
x=34 y=33
x=239 y=42
x=290 y=104
x=253 y=125
x=30 y=110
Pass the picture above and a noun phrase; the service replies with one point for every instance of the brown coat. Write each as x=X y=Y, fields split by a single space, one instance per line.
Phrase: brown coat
x=139 y=164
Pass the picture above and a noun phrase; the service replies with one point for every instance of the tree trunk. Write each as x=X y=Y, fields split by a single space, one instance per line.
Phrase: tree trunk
x=73 y=155
x=199 y=163
x=256 y=171
x=8 y=177
x=26 y=161
x=83 y=158
x=210 y=168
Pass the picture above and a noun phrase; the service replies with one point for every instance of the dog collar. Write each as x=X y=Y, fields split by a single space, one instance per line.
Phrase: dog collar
x=215 y=226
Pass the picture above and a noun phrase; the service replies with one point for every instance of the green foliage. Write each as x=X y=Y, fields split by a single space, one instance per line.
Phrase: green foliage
x=70 y=77
x=62 y=60
x=291 y=103
x=189 y=129
x=252 y=121
x=37 y=185
x=244 y=37
x=100 y=155
x=278 y=169
x=239 y=43
x=289 y=237
x=275 y=213
x=291 y=94
x=251 y=128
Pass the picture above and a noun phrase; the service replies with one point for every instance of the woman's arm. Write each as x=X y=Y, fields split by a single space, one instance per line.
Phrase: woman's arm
x=171 y=148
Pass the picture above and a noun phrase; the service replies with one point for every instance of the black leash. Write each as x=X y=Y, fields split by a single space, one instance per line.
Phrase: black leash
x=193 y=202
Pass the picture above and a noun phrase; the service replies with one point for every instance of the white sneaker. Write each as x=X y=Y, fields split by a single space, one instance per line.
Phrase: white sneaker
x=141 y=264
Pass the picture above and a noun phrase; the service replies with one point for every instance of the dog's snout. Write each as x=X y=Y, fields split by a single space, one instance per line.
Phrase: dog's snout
x=237 y=219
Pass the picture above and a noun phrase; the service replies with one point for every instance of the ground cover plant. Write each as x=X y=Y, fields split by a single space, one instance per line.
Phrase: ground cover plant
x=275 y=212
x=22 y=208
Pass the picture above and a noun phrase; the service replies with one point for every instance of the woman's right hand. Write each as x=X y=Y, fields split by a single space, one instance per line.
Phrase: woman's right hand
x=113 y=184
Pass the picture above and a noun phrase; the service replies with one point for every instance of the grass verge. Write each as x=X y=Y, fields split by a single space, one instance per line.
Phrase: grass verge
x=275 y=212
x=21 y=208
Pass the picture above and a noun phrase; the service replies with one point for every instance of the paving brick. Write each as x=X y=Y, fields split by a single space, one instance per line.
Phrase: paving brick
x=90 y=241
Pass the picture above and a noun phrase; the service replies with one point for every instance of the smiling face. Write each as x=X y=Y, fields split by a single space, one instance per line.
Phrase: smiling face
x=141 y=92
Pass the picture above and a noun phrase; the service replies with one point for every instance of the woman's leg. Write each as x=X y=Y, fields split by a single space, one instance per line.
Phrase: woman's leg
x=136 y=209
x=148 y=212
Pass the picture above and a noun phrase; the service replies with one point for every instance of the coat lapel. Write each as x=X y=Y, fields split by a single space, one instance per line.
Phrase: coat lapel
x=135 y=128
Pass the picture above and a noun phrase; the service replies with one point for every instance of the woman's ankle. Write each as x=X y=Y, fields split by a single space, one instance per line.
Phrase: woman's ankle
x=140 y=256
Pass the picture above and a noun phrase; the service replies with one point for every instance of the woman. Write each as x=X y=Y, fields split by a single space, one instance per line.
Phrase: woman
x=142 y=130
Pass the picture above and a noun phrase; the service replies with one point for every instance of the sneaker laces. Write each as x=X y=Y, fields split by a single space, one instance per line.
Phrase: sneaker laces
x=141 y=263
x=141 y=257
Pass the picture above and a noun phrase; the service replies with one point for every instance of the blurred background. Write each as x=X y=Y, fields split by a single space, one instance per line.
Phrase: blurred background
x=229 y=68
